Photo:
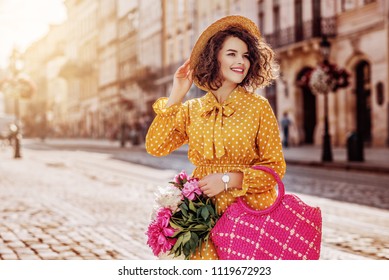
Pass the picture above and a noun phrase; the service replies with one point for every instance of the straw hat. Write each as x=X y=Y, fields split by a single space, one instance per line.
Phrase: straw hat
x=219 y=25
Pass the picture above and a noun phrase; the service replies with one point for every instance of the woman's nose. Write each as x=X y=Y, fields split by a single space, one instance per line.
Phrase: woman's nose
x=240 y=59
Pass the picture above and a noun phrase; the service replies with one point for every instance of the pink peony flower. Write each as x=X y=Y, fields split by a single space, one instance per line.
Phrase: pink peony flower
x=163 y=216
x=168 y=231
x=159 y=231
x=158 y=238
x=181 y=177
x=191 y=188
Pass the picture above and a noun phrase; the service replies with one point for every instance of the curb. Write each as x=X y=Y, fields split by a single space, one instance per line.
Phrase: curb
x=343 y=165
x=340 y=166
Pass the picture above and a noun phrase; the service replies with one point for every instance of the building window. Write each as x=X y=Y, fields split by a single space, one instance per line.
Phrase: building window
x=348 y=5
x=316 y=18
x=276 y=22
x=380 y=93
x=298 y=20
x=261 y=22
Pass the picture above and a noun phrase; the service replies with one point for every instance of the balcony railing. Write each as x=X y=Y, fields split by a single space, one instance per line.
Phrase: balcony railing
x=308 y=30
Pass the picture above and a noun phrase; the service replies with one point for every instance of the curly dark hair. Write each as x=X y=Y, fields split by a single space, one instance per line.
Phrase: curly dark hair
x=263 y=68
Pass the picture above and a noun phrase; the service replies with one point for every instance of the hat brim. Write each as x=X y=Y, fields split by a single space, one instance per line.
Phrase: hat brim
x=219 y=25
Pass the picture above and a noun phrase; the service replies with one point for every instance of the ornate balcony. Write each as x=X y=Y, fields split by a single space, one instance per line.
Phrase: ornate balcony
x=308 y=30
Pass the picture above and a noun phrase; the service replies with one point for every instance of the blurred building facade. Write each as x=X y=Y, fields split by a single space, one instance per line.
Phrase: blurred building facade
x=107 y=65
x=358 y=32
x=111 y=60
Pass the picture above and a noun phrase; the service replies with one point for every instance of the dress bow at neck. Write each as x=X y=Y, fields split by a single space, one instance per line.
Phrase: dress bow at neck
x=214 y=112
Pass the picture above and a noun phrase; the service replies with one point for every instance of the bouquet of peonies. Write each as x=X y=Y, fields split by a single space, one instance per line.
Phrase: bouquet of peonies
x=182 y=219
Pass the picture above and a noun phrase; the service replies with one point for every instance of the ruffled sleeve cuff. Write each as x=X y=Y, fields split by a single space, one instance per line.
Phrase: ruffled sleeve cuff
x=159 y=107
x=245 y=183
x=239 y=192
x=253 y=182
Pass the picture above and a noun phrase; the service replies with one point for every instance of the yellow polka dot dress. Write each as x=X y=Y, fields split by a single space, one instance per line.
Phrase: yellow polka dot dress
x=228 y=137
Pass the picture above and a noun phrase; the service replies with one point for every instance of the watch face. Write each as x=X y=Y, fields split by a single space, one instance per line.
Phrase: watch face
x=226 y=178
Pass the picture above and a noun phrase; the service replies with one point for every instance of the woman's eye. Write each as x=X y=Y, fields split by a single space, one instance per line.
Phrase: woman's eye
x=231 y=54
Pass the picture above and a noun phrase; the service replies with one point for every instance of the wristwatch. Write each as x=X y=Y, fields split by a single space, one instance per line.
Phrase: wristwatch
x=225 y=179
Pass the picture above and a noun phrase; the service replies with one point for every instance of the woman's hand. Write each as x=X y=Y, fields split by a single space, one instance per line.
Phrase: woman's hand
x=212 y=184
x=181 y=84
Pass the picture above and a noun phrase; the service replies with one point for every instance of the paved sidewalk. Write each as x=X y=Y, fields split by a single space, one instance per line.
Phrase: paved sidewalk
x=376 y=159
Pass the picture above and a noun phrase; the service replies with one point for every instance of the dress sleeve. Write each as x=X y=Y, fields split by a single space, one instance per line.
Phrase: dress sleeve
x=168 y=129
x=269 y=145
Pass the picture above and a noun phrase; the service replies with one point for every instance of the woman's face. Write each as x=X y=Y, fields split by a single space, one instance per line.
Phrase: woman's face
x=233 y=59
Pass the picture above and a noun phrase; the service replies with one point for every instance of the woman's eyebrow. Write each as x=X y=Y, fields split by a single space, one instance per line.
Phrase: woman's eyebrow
x=232 y=50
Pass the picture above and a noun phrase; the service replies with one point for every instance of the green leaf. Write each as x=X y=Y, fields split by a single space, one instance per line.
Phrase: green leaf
x=177 y=253
x=192 y=244
x=211 y=210
x=184 y=205
x=199 y=227
x=184 y=209
x=198 y=212
x=200 y=203
x=187 y=250
x=174 y=225
x=176 y=233
x=178 y=243
x=186 y=237
x=194 y=238
x=204 y=213
x=192 y=206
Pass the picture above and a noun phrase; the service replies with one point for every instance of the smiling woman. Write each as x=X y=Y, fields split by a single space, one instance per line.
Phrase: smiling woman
x=23 y=22
x=229 y=129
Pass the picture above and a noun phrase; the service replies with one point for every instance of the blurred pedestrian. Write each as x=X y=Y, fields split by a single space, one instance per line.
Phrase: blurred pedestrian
x=230 y=129
x=145 y=124
x=123 y=134
x=285 y=124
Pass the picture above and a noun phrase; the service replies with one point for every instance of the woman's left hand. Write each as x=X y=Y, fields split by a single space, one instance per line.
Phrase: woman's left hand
x=212 y=184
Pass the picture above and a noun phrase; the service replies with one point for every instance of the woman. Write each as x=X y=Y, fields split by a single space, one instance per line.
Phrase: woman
x=230 y=129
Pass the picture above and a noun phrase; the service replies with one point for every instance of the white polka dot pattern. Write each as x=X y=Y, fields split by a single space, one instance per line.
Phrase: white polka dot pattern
x=228 y=137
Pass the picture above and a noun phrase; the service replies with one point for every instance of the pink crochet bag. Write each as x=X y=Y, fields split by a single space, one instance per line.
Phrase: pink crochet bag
x=288 y=230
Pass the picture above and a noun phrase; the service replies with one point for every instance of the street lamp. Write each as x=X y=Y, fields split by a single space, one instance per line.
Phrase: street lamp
x=325 y=78
x=16 y=65
x=325 y=48
x=17 y=85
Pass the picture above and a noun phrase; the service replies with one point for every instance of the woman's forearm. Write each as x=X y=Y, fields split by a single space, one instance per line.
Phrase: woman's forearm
x=236 y=180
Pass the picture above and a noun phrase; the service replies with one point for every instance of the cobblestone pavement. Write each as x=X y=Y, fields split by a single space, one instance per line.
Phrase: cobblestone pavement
x=74 y=205
x=84 y=205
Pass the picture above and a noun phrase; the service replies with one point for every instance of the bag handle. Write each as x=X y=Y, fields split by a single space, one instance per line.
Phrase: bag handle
x=281 y=192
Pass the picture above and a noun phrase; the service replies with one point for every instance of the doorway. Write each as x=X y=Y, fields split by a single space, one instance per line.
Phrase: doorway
x=309 y=113
x=307 y=104
x=363 y=100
